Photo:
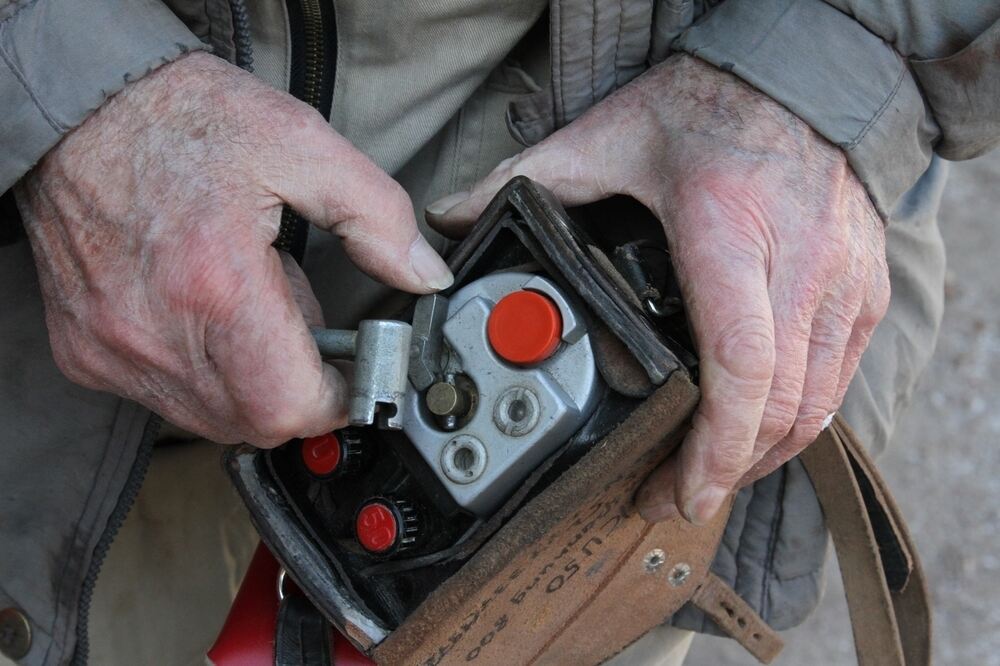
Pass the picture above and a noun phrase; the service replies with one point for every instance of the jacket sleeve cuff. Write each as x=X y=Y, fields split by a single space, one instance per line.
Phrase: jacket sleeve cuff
x=61 y=59
x=826 y=68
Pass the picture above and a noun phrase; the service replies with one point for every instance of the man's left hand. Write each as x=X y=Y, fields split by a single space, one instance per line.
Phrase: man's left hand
x=779 y=253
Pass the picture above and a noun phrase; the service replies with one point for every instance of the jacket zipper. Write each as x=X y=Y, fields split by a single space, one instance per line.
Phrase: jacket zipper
x=314 y=55
x=133 y=483
x=312 y=24
x=242 y=42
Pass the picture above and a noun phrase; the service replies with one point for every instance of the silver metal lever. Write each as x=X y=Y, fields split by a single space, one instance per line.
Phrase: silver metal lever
x=381 y=352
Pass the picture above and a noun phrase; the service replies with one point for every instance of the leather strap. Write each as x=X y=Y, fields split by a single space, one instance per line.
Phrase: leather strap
x=303 y=634
x=885 y=586
x=910 y=595
x=721 y=603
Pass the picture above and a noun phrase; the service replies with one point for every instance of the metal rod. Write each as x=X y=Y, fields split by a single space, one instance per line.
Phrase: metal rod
x=334 y=343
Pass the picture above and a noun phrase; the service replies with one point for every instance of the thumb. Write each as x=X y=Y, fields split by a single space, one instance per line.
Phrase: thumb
x=265 y=358
x=336 y=187
x=561 y=163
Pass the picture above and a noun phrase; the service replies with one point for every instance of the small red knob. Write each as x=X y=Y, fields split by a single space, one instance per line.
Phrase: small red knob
x=377 y=527
x=322 y=454
x=525 y=327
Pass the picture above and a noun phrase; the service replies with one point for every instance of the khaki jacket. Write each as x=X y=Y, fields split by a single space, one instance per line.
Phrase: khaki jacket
x=438 y=93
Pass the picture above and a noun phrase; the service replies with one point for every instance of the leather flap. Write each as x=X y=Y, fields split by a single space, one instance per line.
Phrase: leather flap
x=576 y=575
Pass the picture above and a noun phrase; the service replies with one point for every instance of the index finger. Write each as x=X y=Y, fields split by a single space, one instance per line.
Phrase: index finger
x=339 y=189
x=725 y=286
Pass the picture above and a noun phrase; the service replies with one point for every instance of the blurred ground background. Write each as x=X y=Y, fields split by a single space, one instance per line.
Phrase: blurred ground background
x=945 y=465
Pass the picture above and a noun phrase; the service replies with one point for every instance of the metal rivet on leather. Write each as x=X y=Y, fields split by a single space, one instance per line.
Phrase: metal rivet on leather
x=15 y=633
x=654 y=560
x=679 y=574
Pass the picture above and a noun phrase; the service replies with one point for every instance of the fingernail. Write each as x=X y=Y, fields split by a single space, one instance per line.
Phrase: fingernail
x=658 y=513
x=705 y=504
x=442 y=206
x=429 y=266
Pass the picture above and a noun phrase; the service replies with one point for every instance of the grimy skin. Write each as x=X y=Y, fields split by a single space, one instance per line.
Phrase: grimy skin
x=151 y=226
x=778 y=250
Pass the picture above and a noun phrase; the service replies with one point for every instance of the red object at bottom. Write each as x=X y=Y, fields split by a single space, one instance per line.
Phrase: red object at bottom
x=376 y=527
x=247 y=637
x=322 y=454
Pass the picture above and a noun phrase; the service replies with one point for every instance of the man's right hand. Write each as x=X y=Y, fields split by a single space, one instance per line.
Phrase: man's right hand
x=151 y=226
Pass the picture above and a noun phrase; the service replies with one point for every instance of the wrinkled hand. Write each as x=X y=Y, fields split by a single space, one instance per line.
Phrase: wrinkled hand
x=779 y=253
x=151 y=226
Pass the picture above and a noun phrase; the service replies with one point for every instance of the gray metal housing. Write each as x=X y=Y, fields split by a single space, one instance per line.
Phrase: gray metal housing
x=483 y=461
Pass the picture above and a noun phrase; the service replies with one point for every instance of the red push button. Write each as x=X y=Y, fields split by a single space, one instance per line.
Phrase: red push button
x=376 y=527
x=525 y=327
x=322 y=454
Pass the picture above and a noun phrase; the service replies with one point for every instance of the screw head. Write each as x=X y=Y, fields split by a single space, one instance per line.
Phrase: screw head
x=679 y=574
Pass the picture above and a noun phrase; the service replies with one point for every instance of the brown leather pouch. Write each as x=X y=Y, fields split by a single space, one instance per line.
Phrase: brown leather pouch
x=571 y=581
x=559 y=586
x=566 y=571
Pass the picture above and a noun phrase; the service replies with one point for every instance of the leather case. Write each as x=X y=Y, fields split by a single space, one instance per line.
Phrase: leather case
x=566 y=571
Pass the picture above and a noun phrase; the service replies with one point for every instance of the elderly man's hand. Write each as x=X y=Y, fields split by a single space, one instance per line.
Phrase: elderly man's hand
x=151 y=226
x=779 y=252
